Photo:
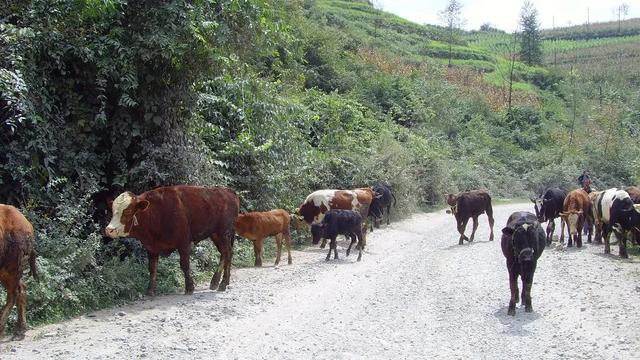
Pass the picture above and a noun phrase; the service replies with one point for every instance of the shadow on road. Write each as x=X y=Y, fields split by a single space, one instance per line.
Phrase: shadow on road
x=516 y=323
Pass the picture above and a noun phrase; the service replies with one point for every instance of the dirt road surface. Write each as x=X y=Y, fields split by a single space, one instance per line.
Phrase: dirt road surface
x=416 y=294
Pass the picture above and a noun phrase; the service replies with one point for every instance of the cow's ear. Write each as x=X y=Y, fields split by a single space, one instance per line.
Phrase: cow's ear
x=448 y=211
x=142 y=205
x=507 y=231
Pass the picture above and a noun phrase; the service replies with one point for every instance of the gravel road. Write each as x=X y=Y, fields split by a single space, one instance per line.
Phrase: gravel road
x=416 y=294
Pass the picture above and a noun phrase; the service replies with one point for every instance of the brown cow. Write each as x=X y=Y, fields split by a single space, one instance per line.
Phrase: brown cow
x=577 y=210
x=16 y=249
x=256 y=226
x=172 y=218
x=470 y=204
x=319 y=202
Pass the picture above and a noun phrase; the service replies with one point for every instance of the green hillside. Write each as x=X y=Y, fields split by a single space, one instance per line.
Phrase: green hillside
x=276 y=99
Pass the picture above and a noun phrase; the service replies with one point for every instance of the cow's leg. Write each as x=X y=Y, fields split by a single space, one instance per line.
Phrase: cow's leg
x=227 y=254
x=475 y=227
x=257 y=251
x=461 y=227
x=186 y=269
x=21 y=302
x=388 y=214
x=153 y=273
x=622 y=244
x=606 y=234
x=491 y=222
x=579 y=233
x=590 y=225
x=353 y=241
x=287 y=243
x=323 y=243
x=215 y=280
x=334 y=245
x=570 y=240
x=527 y=282
x=10 y=285
x=360 y=248
x=551 y=228
x=331 y=245
x=278 y=248
x=562 y=224
x=513 y=285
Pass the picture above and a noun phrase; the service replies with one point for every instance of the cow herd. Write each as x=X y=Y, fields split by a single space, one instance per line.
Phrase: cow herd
x=173 y=218
x=597 y=213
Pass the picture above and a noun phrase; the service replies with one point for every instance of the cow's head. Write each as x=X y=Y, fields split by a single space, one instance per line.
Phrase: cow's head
x=317 y=233
x=572 y=218
x=538 y=206
x=124 y=208
x=524 y=241
x=452 y=200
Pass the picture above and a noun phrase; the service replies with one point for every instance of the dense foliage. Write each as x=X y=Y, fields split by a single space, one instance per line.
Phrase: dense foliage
x=275 y=98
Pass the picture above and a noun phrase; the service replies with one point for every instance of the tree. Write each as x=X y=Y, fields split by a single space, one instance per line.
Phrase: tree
x=530 y=40
x=451 y=18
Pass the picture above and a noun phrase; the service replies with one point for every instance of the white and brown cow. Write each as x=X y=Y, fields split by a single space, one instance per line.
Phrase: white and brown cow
x=312 y=210
x=616 y=212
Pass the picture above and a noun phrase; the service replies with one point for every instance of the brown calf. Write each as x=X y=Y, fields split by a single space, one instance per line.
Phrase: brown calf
x=577 y=210
x=16 y=249
x=256 y=226
x=469 y=205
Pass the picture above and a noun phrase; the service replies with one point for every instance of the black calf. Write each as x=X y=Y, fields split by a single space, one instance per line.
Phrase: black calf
x=523 y=241
x=339 y=222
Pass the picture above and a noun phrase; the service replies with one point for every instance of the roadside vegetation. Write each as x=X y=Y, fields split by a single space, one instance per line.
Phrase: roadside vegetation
x=276 y=99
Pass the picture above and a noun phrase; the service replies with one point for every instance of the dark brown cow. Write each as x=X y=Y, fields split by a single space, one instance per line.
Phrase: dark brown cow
x=470 y=204
x=634 y=194
x=577 y=210
x=319 y=202
x=256 y=226
x=16 y=249
x=172 y=218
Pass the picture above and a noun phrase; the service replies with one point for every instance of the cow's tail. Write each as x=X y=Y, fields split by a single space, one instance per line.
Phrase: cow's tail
x=32 y=264
x=394 y=199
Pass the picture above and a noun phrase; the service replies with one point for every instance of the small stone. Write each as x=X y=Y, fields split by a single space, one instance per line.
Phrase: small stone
x=121 y=313
x=13 y=350
x=51 y=334
x=583 y=309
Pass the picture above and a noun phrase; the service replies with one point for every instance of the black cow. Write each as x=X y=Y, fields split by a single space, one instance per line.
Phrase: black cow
x=548 y=207
x=383 y=199
x=339 y=222
x=523 y=241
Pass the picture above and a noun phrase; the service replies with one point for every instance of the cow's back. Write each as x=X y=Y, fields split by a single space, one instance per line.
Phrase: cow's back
x=340 y=221
x=473 y=203
x=554 y=197
x=577 y=200
x=319 y=202
x=187 y=213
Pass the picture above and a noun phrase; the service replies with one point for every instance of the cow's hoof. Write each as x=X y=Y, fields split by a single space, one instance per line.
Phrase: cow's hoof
x=511 y=311
x=151 y=292
x=289 y=262
x=222 y=287
x=17 y=337
x=528 y=309
x=624 y=256
x=188 y=291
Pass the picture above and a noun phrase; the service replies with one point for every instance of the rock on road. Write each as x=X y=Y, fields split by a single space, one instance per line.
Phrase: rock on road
x=415 y=294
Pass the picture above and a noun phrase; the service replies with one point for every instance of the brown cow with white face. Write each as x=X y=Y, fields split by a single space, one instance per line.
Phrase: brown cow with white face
x=175 y=217
x=577 y=211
